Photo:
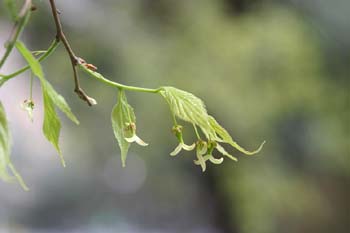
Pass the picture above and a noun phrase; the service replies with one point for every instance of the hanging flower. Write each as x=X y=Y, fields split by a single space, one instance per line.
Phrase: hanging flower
x=28 y=105
x=177 y=130
x=208 y=155
x=201 y=150
x=189 y=108
x=131 y=127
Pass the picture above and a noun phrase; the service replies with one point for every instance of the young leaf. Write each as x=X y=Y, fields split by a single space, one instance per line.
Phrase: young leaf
x=224 y=136
x=187 y=107
x=59 y=101
x=122 y=115
x=52 y=124
x=35 y=66
x=5 y=144
x=190 y=108
x=32 y=62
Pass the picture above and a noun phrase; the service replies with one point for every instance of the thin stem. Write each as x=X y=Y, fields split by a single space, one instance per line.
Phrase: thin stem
x=99 y=77
x=48 y=52
x=38 y=52
x=31 y=87
x=23 y=17
x=74 y=60
x=196 y=131
x=174 y=118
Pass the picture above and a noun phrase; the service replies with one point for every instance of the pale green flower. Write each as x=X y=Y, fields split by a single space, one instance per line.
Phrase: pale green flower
x=201 y=150
x=208 y=155
x=191 y=109
x=181 y=146
x=177 y=130
x=136 y=139
x=131 y=127
x=28 y=105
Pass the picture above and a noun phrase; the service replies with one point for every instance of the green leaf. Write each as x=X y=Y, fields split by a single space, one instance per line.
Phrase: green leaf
x=52 y=124
x=122 y=115
x=5 y=151
x=224 y=152
x=224 y=136
x=32 y=62
x=190 y=108
x=59 y=101
x=5 y=143
x=35 y=66
x=187 y=107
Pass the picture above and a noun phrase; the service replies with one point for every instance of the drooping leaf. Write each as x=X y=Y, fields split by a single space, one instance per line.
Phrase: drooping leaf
x=187 y=107
x=52 y=124
x=5 y=145
x=224 y=152
x=225 y=137
x=35 y=66
x=59 y=101
x=122 y=115
x=190 y=108
x=32 y=62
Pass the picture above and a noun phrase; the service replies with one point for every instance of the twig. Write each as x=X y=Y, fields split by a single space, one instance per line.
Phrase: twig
x=74 y=59
x=17 y=29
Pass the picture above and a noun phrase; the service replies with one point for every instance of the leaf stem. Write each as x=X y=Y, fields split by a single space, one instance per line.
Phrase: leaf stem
x=99 y=77
x=174 y=117
x=31 y=86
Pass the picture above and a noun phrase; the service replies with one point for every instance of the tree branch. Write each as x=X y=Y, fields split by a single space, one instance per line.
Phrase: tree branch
x=74 y=59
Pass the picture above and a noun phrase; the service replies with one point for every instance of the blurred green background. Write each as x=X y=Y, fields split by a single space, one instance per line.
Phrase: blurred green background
x=267 y=70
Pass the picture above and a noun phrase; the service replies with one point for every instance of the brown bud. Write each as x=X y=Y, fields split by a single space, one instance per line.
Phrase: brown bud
x=91 y=67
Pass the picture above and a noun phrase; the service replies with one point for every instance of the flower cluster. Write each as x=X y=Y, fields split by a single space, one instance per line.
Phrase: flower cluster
x=190 y=108
x=204 y=149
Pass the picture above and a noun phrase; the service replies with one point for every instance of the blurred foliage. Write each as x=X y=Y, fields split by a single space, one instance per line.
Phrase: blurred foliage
x=265 y=75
